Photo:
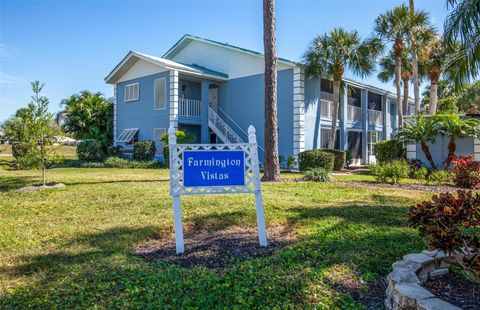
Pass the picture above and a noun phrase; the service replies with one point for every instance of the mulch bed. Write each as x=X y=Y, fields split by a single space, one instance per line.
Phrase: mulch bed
x=216 y=249
x=39 y=187
x=416 y=187
x=456 y=290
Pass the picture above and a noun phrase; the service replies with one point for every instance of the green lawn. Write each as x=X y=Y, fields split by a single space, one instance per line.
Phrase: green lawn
x=72 y=247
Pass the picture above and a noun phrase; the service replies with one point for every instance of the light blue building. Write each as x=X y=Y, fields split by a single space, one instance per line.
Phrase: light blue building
x=216 y=91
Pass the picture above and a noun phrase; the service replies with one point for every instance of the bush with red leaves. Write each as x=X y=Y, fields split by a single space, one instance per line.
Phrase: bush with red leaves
x=466 y=172
x=452 y=224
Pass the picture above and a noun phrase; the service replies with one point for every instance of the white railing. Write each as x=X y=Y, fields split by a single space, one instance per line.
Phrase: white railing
x=354 y=113
x=326 y=109
x=221 y=129
x=375 y=117
x=189 y=107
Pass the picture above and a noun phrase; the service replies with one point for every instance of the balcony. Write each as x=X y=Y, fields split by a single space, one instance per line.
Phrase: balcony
x=375 y=117
x=326 y=109
x=354 y=114
x=189 y=108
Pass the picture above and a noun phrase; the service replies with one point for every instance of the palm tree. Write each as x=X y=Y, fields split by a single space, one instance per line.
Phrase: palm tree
x=396 y=26
x=421 y=130
x=462 y=27
x=435 y=59
x=418 y=38
x=272 y=163
x=328 y=56
x=454 y=127
x=387 y=72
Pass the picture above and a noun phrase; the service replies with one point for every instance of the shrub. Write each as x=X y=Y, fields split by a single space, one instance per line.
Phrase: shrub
x=466 y=172
x=440 y=177
x=451 y=225
x=317 y=175
x=291 y=161
x=144 y=150
x=390 y=172
x=316 y=159
x=419 y=174
x=339 y=161
x=115 y=162
x=389 y=150
x=166 y=156
x=92 y=164
x=90 y=150
x=348 y=158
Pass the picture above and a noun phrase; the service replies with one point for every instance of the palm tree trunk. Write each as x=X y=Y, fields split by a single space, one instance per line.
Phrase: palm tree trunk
x=416 y=88
x=452 y=147
x=398 y=72
x=272 y=164
x=405 y=95
x=336 y=104
x=428 y=155
x=432 y=109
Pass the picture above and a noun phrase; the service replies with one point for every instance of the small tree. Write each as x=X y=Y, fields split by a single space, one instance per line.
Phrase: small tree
x=420 y=130
x=454 y=127
x=40 y=146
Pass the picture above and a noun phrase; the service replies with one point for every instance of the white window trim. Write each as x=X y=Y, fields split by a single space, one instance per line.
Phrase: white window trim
x=125 y=92
x=155 y=95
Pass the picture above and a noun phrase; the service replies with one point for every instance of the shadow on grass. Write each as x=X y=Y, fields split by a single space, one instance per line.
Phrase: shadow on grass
x=13 y=183
x=366 y=239
x=116 y=181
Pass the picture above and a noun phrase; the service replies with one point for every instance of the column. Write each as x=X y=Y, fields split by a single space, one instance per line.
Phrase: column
x=344 y=120
x=298 y=111
x=384 y=117
x=204 y=112
x=174 y=98
x=114 y=114
x=365 y=121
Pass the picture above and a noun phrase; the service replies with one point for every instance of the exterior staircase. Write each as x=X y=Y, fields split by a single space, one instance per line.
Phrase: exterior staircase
x=221 y=128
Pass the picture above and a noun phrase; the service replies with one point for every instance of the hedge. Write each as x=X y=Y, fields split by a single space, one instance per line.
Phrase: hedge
x=316 y=159
x=340 y=158
x=144 y=150
x=90 y=150
x=389 y=150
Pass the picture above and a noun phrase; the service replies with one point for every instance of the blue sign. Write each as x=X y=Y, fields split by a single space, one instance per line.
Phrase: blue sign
x=213 y=168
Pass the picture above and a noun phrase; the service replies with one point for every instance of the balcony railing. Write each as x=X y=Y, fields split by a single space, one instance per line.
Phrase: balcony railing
x=189 y=108
x=375 y=117
x=354 y=113
x=326 y=109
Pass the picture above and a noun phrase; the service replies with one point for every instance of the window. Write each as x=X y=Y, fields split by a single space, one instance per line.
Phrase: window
x=325 y=136
x=128 y=135
x=157 y=135
x=132 y=92
x=160 y=94
x=373 y=137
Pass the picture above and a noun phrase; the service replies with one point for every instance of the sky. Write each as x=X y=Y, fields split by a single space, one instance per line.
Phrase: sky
x=72 y=45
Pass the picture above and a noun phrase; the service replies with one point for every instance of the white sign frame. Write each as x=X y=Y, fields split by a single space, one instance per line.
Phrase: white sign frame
x=252 y=180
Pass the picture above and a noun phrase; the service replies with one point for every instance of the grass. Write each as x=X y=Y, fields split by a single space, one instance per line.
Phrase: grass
x=72 y=247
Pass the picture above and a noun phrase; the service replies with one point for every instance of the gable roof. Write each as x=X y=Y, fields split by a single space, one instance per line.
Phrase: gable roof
x=132 y=57
x=187 y=38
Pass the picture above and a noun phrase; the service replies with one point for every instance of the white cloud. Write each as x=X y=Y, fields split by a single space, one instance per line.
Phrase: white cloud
x=6 y=52
x=7 y=80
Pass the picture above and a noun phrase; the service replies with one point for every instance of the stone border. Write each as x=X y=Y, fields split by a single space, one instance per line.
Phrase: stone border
x=405 y=289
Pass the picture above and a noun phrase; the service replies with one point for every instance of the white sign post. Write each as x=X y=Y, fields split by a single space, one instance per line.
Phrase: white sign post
x=200 y=169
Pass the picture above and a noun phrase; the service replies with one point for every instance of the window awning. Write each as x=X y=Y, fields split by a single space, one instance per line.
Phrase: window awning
x=127 y=135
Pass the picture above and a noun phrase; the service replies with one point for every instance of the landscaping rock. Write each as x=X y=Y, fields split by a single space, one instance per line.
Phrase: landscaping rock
x=435 y=304
x=408 y=295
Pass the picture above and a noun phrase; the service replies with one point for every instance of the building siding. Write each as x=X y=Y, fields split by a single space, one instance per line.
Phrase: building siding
x=141 y=113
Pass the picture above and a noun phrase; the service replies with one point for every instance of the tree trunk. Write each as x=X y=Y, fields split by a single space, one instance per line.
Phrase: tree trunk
x=43 y=176
x=336 y=105
x=271 y=165
x=428 y=155
x=398 y=73
x=416 y=89
x=405 y=95
x=432 y=109
x=452 y=148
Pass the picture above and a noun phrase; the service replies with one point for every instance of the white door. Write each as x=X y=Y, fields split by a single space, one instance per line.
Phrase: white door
x=213 y=98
